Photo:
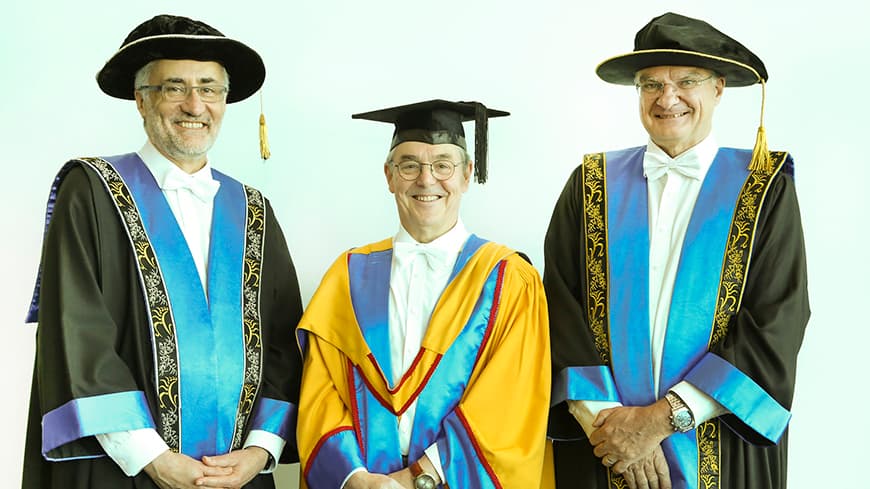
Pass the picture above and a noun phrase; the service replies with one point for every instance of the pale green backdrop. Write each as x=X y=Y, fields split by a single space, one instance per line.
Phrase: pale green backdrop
x=327 y=59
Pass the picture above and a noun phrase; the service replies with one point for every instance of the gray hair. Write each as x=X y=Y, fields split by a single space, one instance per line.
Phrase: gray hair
x=143 y=74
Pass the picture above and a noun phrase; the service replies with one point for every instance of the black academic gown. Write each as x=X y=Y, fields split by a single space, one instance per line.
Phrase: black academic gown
x=762 y=341
x=93 y=336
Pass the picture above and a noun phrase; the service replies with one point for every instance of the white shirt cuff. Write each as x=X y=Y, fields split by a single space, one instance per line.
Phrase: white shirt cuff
x=585 y=412
x=270 y=442
x=704 y=407
x=435 y=459
x=352 y=472
x=132 y=450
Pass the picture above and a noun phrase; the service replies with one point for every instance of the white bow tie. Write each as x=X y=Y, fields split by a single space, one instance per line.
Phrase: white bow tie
x=203 y=189
x=655 y=165
x=435 y=258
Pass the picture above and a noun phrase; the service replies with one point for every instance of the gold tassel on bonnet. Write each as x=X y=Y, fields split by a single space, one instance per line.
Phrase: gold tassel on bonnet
x=760 y=161
x=264 y=133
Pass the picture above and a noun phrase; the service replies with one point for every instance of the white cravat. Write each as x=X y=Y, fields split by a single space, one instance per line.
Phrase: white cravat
x=436 y=259
x=657 y=164
x=200 y=184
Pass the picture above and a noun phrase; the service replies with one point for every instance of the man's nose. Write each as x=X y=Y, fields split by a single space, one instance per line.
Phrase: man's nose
x=192 y=104
x=426 y=177
x=669 y=96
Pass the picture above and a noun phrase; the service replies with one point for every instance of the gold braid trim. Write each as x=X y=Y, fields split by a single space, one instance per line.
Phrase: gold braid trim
x=709 y=454
x=156 y=302
x=255 y=231
x=738 y=248
x=595 y=220
x=594 y=182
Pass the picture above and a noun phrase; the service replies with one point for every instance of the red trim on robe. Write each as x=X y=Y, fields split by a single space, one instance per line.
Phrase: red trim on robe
x=354 y=408
x=496 y=301
x=477 y=449
x=320 y=443
x=416 y=393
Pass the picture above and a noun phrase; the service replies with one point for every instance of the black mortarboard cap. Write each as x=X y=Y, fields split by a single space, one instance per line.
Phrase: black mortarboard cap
x=439 y=122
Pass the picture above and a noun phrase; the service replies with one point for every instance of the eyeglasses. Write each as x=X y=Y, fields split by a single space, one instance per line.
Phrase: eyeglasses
x=178 y=92
x=441 y=169
x=652 y=87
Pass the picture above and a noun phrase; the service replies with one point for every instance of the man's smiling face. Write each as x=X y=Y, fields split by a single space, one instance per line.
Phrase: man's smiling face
x=679 y=118
x=183 y=131
x=428 y=207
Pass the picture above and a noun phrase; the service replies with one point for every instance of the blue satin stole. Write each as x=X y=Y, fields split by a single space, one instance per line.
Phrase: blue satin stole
x=209 y=333
x=369 y=284
x=695 y=291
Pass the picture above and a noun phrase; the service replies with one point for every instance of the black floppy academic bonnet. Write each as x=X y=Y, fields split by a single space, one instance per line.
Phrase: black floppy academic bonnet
x=176 y=37
x=439 y=122
x=676 y=40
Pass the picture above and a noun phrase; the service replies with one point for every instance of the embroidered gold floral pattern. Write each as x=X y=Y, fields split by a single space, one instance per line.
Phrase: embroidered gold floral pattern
x=616 y=480
x=595 y=220
x=255 y=230
x=157 y=300
x=597 y=286
x=708 y=454
x=738 y=248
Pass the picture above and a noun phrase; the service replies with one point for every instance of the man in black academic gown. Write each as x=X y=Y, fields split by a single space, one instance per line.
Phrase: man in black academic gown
x=676 y=283
x=167 y=298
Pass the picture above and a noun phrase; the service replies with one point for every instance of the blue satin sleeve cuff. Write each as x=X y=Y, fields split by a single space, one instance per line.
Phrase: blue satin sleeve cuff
x=740 y=395
x=336 y=456
x=276 y=417
x=88 y=416
x=594 y=383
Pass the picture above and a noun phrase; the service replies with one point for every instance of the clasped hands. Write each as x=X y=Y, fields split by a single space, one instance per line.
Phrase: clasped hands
x=401 y=479
x=628 y=440
x=172 y=470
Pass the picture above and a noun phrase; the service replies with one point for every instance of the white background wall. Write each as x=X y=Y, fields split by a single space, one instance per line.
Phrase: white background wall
x=330 y=58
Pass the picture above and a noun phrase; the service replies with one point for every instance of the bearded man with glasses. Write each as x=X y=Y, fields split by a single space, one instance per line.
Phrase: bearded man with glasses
x=426 y=354
x=677 y=286
x=166 y=297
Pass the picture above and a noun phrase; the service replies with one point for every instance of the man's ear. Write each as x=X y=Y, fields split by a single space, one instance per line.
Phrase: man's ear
x=388 y=173
x=140 y=102
x=720 y=87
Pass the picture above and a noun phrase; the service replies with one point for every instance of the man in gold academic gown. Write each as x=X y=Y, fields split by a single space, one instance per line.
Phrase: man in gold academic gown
x=426 y=354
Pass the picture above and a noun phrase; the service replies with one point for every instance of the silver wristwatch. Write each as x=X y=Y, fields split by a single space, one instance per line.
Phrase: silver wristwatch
x=682 y=419
x=422 y=480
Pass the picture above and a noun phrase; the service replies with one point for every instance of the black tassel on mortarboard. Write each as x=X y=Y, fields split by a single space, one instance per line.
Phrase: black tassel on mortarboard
x=481 y=128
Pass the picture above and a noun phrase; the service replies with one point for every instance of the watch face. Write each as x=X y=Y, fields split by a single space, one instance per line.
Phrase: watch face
x=424 y=481
x=683 y=420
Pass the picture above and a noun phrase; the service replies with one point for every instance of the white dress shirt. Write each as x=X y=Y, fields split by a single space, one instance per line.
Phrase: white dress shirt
x=418 y=275
x=191 y=198
x=672 y=199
